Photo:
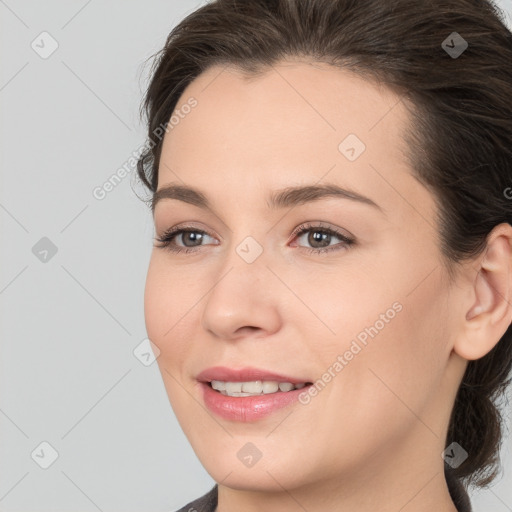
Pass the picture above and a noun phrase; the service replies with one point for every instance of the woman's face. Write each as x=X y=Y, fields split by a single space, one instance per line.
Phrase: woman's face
x=366 y=321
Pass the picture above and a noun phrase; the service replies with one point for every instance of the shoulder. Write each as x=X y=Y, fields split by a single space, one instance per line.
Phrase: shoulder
x=206 y=503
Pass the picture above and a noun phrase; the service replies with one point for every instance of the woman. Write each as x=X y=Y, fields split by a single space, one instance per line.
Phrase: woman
x=331 y=284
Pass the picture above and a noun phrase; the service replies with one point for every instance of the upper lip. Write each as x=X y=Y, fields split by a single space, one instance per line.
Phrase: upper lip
x=246 y=374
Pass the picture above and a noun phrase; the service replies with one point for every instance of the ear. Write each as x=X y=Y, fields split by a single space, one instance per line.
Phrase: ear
x=490 y=297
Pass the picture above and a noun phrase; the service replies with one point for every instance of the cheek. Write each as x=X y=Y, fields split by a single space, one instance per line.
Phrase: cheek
x=343 y=303
x=168 y=307
x=391 y=346
x=380 y=395
x=401 y=368
x=166 y=303
x=156 y=301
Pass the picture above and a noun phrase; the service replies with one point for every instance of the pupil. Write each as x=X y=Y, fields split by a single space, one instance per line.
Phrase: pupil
x=317 y=236
x=191 y=236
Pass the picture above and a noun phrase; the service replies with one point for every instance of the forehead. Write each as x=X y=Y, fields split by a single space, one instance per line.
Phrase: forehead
x=292 y=98
x=290 y=125
x=292 y=108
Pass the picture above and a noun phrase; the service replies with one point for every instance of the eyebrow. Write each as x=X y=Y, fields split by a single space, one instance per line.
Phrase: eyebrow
x=287 y=197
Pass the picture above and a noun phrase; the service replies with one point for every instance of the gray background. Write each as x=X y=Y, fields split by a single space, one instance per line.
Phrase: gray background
x=71 y=320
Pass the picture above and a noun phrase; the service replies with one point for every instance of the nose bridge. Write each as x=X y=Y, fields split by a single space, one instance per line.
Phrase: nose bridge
x=240 y=296
x=243 y=271
x=247 y=248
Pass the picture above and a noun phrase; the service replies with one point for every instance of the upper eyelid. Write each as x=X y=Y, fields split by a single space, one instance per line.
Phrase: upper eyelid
x=188 y=227
x=314 y=225
x=304 y=226
x=299 y=230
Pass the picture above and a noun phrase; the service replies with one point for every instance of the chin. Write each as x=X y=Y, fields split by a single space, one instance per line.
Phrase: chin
x=271 y=472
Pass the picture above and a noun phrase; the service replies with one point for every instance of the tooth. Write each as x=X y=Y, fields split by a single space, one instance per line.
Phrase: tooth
x=218 y=385
x=232 y=387
x=270 y=386
x=254 y=386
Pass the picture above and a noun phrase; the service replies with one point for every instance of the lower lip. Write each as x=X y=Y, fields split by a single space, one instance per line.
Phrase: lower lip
x=247 y=408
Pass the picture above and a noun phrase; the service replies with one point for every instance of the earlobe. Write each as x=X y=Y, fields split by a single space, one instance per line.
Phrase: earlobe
x=490 y=313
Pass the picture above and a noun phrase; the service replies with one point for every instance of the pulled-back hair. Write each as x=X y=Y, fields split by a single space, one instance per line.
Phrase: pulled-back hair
x=459 y=141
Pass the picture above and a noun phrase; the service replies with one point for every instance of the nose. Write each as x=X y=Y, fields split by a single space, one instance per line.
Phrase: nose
x=243 y=301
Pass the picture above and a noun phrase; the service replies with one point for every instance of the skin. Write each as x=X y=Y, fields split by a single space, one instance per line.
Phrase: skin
x=372 y=438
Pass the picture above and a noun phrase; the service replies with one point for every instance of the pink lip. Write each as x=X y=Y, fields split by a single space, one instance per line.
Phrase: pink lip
x=244 y=375
x=246 y=408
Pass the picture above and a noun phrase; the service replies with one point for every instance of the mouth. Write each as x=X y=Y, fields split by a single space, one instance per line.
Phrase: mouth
x=241 y=406
x=248 y=394
x=233 y=377
x=254 y=388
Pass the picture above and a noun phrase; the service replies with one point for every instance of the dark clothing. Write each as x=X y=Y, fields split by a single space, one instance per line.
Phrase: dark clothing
x=208 y=502
x=458 y=493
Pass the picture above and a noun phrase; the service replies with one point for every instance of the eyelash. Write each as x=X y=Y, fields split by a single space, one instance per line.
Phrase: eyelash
x=168 y=237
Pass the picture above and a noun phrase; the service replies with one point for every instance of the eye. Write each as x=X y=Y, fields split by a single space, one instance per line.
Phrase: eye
x=320 y=237
x=190 y=238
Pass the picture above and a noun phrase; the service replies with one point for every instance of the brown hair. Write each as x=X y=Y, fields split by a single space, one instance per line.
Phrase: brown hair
x=459 y=143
